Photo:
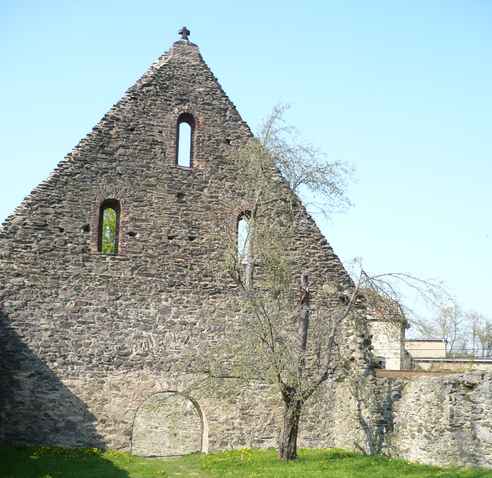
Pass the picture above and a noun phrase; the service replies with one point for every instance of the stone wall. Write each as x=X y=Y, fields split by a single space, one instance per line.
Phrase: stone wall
x=454 y=365
x=95 y=349
x=439 y=419
x=387 y=341
x=87 y=338
x=168 y=424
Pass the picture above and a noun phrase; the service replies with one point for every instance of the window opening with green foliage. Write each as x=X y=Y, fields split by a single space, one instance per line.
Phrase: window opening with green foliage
x=109 y=225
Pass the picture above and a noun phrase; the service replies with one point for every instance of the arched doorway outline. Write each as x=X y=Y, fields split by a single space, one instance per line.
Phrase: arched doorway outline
x=198 y=408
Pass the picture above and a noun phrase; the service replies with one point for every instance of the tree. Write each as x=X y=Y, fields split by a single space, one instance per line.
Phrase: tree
x=287 y=336
x=474 y=321
x=446 y=322
x=290 y=329
x=304 y=167
x=479 y=329
x=108 y=237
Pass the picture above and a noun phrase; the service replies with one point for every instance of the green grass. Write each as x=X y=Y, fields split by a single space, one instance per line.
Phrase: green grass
x=245 y=463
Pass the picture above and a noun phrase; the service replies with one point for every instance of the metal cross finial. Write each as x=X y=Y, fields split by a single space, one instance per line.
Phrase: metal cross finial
x=185 y=33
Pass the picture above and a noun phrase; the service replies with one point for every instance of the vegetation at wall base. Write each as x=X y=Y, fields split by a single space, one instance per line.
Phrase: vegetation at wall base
x=51 y=462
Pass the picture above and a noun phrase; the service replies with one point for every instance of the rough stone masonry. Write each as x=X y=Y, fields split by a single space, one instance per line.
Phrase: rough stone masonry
x=94 y=347
x=90 y=342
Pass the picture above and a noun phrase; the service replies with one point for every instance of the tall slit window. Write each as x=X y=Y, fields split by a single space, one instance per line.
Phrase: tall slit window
x=109 y=226
x=184 y=140
x=244 y=238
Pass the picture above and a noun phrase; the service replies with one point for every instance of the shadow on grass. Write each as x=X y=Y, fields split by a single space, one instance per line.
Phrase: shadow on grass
x=337 y=454
x=50 y=462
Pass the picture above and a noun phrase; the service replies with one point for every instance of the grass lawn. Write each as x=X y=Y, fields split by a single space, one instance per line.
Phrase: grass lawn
x=91 y=463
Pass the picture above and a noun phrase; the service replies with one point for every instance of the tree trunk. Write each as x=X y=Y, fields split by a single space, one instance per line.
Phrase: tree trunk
x=290 y=429
x=292 y=400
x=303 y=325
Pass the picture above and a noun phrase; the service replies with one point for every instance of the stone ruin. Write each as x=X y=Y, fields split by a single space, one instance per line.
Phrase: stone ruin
x=94 y=345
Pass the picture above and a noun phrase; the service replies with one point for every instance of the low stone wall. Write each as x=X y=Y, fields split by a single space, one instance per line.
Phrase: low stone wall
x=439 y=419
x=454 y=365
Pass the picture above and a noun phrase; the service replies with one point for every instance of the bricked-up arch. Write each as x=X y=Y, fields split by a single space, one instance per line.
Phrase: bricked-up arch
x=109 y=226
x=185 y=130
x=169 y=424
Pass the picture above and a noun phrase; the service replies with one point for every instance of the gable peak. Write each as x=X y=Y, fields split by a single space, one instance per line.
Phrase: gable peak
x=184 y=33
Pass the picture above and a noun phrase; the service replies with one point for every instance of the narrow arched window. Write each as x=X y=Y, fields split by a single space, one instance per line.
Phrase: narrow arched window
x=184 y=140
x=244 y=242
x=109 y=226
x=244 y=238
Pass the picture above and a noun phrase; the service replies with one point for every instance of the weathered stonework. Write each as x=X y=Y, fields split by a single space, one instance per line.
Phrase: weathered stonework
x=440 y=420
x=88 y=339
x=168 y=424
x=95 y=349
x=387 y=342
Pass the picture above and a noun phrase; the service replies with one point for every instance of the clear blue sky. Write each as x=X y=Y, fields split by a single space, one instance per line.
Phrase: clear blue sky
x=403 y=90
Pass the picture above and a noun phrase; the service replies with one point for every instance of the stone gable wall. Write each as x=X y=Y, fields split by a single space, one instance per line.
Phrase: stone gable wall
x=88 y=342
x=86 y=338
